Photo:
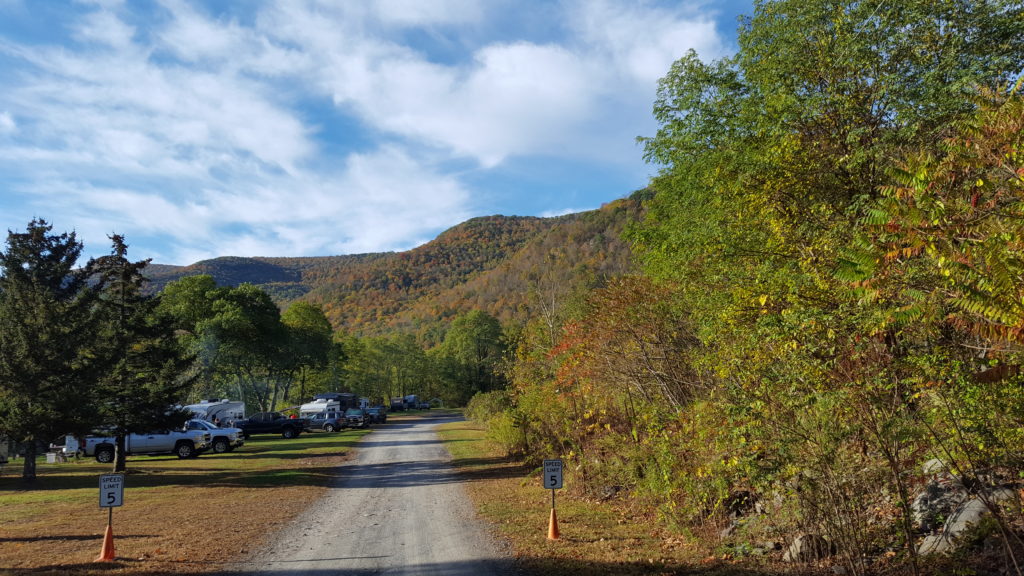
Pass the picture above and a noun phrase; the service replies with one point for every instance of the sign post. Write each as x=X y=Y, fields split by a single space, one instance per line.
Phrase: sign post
x=111 y=495
x=553 y=481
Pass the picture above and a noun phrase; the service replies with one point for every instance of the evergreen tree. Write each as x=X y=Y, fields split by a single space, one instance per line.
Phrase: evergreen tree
x=44 y=331
x=145 y=371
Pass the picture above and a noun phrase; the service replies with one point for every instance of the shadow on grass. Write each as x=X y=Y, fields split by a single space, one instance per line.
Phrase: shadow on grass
x=351 y=567
x=494 y=468
x=70 y=537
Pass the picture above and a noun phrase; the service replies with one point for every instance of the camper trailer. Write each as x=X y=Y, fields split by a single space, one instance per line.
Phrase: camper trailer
x=323 y=414
x=345 y=400
x=221 y=412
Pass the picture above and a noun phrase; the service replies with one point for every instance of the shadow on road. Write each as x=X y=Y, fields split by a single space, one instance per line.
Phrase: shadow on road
x=336 y=567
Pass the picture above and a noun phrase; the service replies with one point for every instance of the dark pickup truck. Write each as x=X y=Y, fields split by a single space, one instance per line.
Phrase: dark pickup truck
x=272 y=423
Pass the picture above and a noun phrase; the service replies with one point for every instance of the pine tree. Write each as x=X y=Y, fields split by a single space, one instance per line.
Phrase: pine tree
x=145 y=372
x=44 y=333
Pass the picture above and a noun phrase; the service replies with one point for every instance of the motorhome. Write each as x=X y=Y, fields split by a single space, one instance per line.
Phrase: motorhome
x=220 y=412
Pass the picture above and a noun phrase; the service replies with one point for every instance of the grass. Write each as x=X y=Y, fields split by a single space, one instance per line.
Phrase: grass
x=55 y=526
x=596 y=537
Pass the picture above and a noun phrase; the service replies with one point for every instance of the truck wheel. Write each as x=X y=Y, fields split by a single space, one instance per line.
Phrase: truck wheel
x=185 y=450
x=289 y=433
x=220 y=445
x=328 y=427
x=105 y=455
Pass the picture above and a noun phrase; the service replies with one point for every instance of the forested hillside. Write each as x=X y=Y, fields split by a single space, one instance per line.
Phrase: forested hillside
x=495 y=264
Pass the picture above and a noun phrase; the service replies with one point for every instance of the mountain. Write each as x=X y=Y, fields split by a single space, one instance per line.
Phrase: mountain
x=498 y=264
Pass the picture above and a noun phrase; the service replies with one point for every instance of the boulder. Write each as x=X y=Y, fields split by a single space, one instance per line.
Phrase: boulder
x=934 y=503
x=807 y=548
x=965 y=516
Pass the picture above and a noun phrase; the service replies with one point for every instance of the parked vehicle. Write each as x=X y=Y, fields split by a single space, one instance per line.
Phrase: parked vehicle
x=412 y=402
x=423 y=405
x=323 y=414
x=397 y=404
x=183 y=443
x=221 y=439
x=345 y=400
x=376 y=414
x=356 y=418
x=220 y=412
x=272 y=423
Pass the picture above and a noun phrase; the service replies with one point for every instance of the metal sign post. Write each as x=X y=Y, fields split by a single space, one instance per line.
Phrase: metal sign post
x=553 y=480
x=111 y=495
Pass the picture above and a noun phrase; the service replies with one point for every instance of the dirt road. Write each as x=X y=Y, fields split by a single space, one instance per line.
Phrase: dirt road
x=397 y=509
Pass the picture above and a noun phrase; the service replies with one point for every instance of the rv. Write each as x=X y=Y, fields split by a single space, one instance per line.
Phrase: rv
x=221 y=412
x=345 y=400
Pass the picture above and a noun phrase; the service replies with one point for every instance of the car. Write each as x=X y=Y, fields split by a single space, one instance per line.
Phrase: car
x=326 y=421
x=356 y=418
x=272 y=423
x=377 y=414
x=423 y=406
x=221 y=439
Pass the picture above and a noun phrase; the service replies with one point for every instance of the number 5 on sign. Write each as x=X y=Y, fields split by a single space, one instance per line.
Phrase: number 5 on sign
x=553 y=474
x=111 y=490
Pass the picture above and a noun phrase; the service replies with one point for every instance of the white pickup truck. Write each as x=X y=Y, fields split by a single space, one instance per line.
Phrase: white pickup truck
x=221 y=439
x=184 y=444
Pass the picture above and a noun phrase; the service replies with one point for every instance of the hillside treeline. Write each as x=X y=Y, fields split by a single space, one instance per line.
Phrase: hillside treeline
x=823 y=343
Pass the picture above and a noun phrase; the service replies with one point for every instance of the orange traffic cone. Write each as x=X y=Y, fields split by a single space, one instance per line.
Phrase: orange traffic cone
x=107 y=552
x=553 y=526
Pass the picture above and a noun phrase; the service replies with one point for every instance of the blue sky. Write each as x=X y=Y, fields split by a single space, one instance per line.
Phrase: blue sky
x=310 y=128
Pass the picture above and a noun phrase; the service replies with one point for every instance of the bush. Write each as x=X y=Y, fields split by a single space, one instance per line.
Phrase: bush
x=486 y=405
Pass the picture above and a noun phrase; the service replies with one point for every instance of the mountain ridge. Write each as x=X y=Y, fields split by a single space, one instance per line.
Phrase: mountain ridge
x=487 y=263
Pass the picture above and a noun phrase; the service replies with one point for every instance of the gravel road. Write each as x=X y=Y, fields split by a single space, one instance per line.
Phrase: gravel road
x=397 y=509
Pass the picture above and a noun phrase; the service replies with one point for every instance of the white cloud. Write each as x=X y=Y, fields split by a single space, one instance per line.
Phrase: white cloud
x=208 y=128
x=416 y=13
x=105 y=28
x=7 y=124
x=642 y=41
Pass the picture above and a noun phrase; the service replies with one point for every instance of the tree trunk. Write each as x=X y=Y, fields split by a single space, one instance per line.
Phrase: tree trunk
x=28 y=471
x=120 y=458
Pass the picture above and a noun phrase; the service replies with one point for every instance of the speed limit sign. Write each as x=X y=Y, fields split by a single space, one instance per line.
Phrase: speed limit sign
x=553 y=474
x=111 y=490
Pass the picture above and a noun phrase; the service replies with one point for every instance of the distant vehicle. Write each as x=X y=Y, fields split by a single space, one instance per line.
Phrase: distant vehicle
x=272 y=423
x=222 y=439
x=323 y=414
x=345 y=400
x=397 y=404
x=356 y=418
x=220 y=412
x=423 y=405
x=184 y=444
x=412 y=402
x=376 y=414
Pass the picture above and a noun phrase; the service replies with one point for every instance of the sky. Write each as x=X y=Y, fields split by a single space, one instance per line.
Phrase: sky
x=317 y=128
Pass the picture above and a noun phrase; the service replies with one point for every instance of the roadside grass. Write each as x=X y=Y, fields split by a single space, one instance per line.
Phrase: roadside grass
x=179 y=516
x=596 y=537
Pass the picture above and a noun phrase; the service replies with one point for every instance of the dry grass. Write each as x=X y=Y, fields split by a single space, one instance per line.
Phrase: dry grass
x=179 y=516
x=608 y=537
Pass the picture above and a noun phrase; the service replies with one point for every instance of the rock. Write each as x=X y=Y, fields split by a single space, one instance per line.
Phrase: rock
x=935 y=544
x=964 y=517
x=728 y=530
x=934 y=467
x=807 y=548
x=937 y=500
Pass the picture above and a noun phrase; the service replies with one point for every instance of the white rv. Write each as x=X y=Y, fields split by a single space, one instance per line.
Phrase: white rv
x=218 y=411
x=319 y=406
x=323 y=414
